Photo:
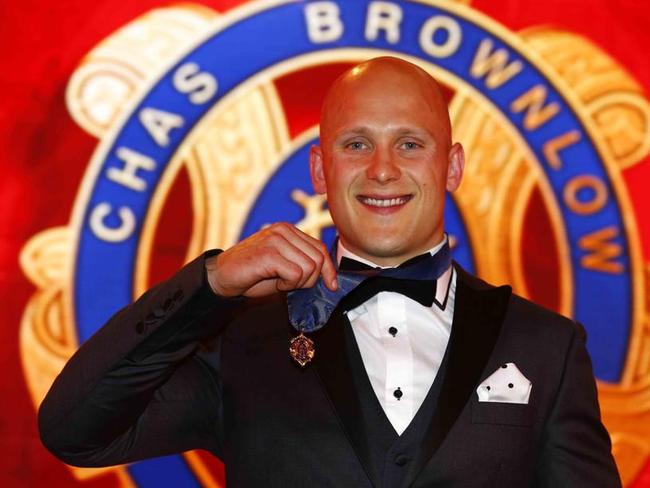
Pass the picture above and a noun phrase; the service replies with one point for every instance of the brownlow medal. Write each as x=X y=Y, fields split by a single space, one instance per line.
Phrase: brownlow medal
x=301 y=349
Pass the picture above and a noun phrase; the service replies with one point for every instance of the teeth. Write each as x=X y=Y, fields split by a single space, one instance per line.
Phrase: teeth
x=388 y=202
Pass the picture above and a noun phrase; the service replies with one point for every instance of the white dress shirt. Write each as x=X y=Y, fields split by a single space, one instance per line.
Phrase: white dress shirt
x=402 y=343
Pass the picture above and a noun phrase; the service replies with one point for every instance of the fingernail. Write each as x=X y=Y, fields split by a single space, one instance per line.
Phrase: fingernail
x=334 y=284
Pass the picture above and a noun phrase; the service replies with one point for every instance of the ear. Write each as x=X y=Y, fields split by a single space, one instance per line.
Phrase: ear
x=316 y=170
x=456 y=166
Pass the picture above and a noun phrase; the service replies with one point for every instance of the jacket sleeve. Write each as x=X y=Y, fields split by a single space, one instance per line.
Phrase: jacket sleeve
x=138 y=387
x=576 y=448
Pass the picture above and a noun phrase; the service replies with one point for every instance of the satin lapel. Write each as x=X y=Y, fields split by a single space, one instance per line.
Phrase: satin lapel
x=333 y=368
x=479 y=311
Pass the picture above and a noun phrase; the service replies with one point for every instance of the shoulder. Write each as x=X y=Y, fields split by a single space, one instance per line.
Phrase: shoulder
x=523 y=316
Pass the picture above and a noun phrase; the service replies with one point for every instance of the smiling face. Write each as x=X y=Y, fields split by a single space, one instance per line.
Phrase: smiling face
x=386 y=159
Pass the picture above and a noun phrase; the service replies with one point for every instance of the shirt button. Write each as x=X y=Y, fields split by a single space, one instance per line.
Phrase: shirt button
x=398 y=393
x=401 y=460
x=392 y=331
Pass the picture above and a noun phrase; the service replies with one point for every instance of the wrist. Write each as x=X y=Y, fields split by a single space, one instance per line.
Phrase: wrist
x=210 y=267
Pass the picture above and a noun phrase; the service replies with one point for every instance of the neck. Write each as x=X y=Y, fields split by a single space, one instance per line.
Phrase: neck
x=384 y=261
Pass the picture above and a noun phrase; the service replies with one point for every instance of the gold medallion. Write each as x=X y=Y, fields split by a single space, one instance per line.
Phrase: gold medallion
x=301 y=349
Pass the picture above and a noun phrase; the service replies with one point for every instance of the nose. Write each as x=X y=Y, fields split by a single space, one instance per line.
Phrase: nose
x=382 y=167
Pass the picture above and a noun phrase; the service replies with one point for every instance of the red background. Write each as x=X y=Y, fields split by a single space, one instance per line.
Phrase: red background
x=43 y=155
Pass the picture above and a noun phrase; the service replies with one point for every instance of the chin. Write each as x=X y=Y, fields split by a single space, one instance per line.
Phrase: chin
x=385 y=247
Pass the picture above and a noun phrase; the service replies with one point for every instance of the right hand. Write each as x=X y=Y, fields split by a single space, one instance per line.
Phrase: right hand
x=277 y=258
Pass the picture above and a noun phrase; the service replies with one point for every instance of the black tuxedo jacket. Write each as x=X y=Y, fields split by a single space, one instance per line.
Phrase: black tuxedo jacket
x=184 y=369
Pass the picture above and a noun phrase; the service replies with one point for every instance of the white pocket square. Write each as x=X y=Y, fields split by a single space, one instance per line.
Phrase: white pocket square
x=506 y=385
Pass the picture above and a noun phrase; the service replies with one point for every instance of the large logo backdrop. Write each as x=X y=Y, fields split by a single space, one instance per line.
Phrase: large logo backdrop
x=203 y=123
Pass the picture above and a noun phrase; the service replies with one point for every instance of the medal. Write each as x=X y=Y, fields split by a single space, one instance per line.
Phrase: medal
x=301 y=349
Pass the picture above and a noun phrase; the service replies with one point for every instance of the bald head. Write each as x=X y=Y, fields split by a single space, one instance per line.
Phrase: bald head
x=379 y=78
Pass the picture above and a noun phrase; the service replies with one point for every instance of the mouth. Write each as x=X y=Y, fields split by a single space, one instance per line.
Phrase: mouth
x=384 y=204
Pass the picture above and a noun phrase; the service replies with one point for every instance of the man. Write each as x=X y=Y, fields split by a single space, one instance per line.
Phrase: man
x=476 y=387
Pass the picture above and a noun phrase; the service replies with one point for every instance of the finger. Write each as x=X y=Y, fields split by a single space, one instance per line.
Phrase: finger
x=317 y=251
x=284 y=275
x=308 y=248
x=289 y=275
x=328 y=269
x=294 y=254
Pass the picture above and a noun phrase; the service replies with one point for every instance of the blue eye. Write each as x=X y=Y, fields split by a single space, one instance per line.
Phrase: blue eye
x=356 y=145
x=410 y=145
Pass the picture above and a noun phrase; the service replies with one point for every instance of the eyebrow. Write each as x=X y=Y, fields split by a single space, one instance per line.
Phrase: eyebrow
x=401 y=131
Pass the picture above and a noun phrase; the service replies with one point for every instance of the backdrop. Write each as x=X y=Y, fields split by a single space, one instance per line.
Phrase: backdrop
x=134 y=135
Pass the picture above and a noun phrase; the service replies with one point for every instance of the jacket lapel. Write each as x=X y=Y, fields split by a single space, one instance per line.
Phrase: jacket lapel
x=333 y=367
x=479 y=310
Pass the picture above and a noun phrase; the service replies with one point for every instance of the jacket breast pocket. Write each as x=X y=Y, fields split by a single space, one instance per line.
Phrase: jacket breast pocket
x=502 y=413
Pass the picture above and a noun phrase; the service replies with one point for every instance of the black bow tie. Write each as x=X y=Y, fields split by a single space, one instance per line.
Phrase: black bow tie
x=422 y=291
x=310 y=308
